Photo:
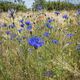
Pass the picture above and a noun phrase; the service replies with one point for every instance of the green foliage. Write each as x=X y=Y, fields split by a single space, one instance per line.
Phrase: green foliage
x=51 y=5
x=61 y=6
x=7 y=5
x=21 y=8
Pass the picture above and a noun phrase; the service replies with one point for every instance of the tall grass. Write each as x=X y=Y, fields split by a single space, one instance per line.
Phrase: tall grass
x=20 y=61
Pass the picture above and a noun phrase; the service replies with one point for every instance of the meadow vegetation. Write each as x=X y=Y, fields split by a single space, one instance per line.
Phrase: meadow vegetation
x=40 y=45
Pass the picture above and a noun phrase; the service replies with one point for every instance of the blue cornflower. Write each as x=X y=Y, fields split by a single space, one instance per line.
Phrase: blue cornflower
x=46 y=34
x=49 y=26
x=55 y=41
x=50 y=20
x=3 y=25
x=11 y=13
x=12 y=25
x=29 y=27
x=22 y=25
x=65 y=16
x=20 y=30
x=57 y=12
x=21 y=21
x=28 y=23
x=70 y=35
x=36 y=42
x=8 y=32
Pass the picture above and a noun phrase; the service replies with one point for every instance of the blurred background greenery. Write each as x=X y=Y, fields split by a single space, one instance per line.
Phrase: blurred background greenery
x=19 y=5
